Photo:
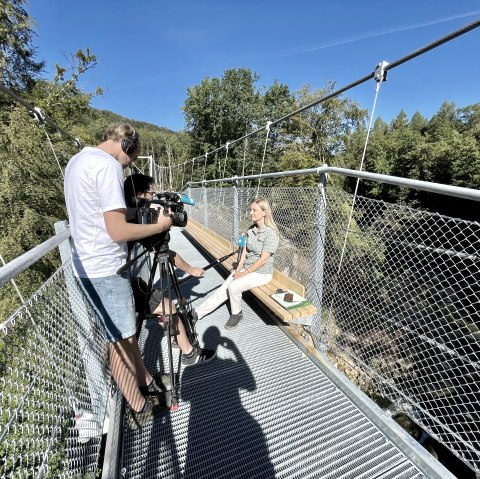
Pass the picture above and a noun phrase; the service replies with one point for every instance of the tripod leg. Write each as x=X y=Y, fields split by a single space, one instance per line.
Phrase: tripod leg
x=184 y=309
x=169 y=320
x=143 y=296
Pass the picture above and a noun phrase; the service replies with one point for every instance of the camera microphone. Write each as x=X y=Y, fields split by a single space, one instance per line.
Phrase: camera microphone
x=187 y=200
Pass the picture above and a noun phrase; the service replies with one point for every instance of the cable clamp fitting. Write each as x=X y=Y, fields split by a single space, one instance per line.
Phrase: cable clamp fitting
x=38 y=115
x=380 y=72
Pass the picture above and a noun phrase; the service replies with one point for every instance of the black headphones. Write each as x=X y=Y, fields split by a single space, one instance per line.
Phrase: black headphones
x=129 y=145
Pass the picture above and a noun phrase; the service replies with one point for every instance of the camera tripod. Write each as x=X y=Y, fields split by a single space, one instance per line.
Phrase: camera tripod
x=163 y=260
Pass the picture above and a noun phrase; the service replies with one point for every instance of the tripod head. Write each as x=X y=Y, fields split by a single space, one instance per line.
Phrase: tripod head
x=158 y=242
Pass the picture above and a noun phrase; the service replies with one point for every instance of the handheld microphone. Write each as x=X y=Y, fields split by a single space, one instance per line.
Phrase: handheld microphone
x=242 y=242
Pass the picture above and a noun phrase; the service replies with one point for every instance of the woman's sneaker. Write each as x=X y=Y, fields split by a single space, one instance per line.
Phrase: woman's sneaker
x=233 y=321
x=198 y=356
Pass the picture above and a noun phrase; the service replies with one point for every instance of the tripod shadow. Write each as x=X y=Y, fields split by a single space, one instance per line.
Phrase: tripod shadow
x=153 y=357
x=218 y=421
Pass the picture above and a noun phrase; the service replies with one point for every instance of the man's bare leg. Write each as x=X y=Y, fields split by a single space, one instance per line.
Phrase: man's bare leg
x=128 y=370
x=178 y=328
x=181 y=335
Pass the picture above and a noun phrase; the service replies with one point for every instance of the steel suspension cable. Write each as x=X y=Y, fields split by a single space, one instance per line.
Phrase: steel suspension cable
x=435 y=44
x=388 y=67
x=43 y=118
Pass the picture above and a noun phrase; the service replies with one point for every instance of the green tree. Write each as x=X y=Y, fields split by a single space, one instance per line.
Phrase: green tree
x=18 y=67
x=418 y=122
x=34 y=156
x=321 y=133
x=220 y=110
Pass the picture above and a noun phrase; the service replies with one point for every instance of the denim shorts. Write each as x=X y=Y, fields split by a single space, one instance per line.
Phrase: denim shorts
x=111 y=297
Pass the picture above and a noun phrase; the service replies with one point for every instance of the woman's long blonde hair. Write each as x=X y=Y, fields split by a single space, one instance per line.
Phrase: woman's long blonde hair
x=265 y=206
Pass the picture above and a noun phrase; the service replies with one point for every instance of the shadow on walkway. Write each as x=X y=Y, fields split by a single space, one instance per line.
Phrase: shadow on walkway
x=224 y=440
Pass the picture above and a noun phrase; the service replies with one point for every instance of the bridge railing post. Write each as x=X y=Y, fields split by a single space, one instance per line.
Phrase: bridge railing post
x=315 y=288
x=236 y=217
x=205 y=206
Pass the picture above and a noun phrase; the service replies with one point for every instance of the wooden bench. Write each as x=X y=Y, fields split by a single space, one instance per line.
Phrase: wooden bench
x=217 y=246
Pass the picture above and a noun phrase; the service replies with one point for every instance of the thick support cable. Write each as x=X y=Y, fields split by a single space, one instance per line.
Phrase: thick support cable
x=435 y=44
x=364 y=79
x=35 y=110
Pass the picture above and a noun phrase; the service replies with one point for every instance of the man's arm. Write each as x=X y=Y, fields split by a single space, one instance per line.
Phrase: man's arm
x=119 y=230
x=180 y=263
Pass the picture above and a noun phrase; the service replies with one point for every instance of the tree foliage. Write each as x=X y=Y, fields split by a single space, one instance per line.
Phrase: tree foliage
x=444 y=149
x=18 y=67
x=217 y=111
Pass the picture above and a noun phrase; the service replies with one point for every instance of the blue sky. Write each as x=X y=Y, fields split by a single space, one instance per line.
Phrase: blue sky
x=150 y=51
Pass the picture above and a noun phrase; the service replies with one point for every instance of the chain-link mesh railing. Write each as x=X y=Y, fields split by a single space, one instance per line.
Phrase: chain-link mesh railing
x=398 y=294
x=401 y=308
x=54 y=385
x=397 y=290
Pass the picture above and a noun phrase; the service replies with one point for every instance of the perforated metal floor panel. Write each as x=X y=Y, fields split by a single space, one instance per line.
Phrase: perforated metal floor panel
x=261 y=409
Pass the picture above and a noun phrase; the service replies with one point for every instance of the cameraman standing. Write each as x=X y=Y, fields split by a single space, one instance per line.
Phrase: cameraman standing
x=96 y=209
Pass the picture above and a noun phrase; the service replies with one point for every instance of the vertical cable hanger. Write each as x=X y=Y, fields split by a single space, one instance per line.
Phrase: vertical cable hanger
x=205 y=165
x=191 y=173
x=225 y=160
x=267 y=127
x=380 y=75
x=38 y=116
x=183 y=174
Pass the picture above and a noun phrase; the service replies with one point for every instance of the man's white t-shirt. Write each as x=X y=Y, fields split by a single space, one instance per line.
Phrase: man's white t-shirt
x=94 y=185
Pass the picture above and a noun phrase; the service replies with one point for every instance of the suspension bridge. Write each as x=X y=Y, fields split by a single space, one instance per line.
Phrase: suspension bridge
x=396 y=296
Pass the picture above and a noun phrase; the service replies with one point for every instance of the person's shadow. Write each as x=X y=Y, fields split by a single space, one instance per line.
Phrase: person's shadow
x=224 y=440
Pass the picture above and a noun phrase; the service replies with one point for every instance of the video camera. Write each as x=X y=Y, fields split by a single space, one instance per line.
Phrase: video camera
x=169 y=201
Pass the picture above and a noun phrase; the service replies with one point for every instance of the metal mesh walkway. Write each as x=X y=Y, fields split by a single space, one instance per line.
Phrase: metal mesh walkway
x=260 y=409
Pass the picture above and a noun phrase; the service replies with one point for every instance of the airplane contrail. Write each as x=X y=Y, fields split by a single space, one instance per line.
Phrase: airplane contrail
x=376 y=34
